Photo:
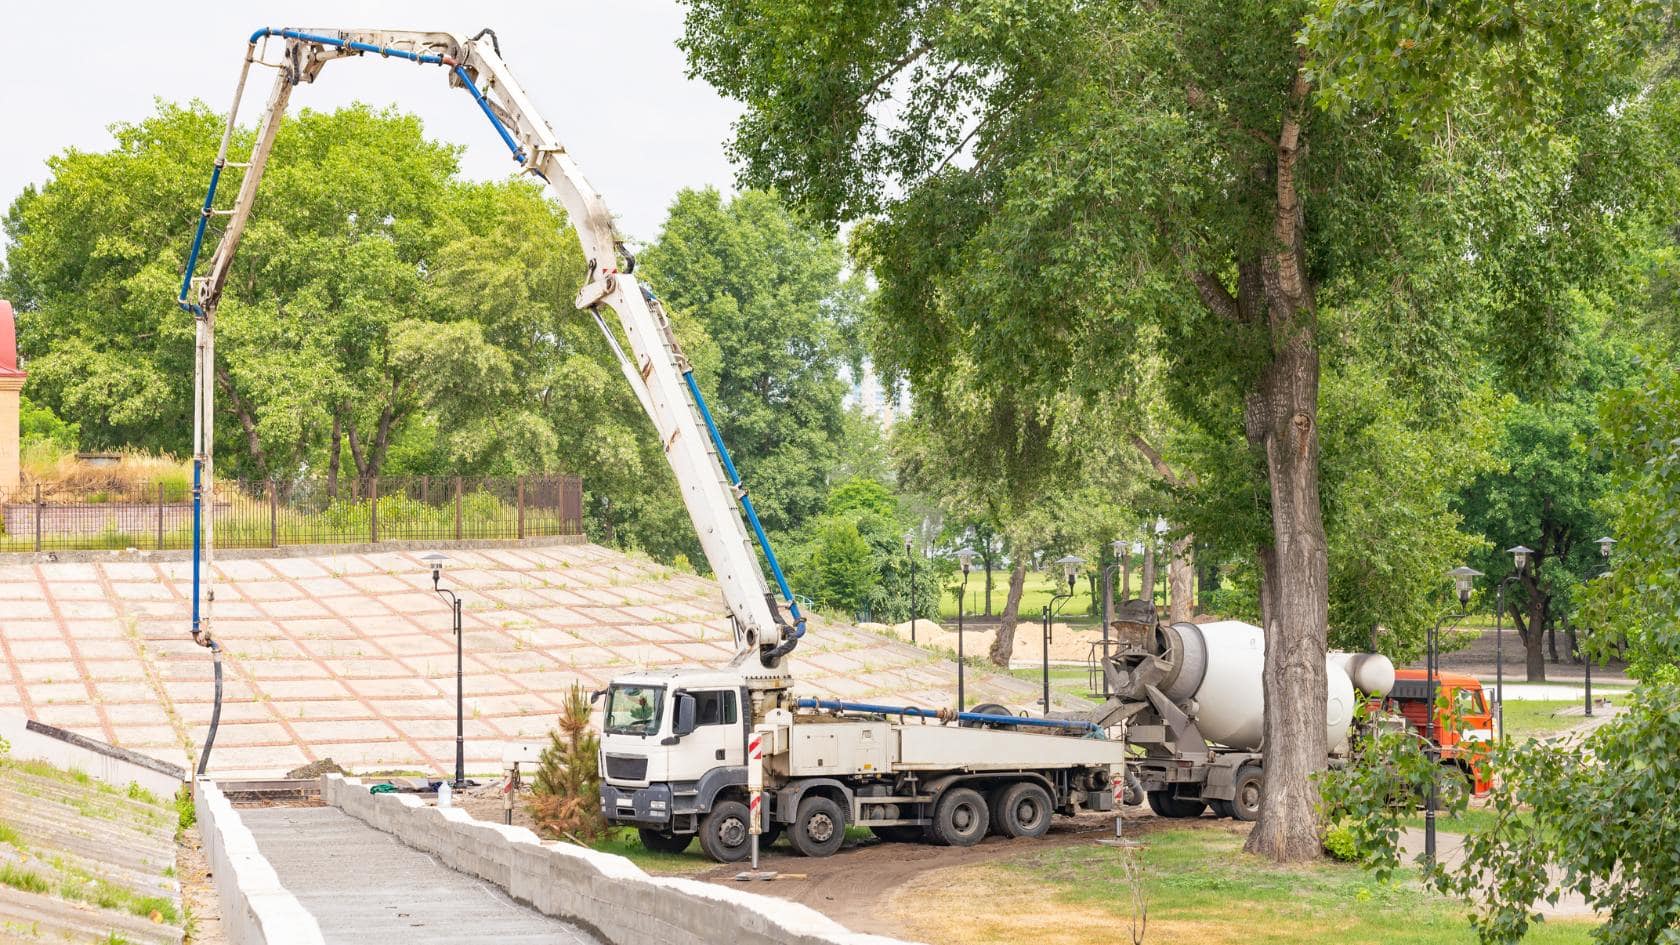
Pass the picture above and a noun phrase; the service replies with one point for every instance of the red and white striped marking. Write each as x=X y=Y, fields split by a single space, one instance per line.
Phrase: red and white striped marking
x=755 y=748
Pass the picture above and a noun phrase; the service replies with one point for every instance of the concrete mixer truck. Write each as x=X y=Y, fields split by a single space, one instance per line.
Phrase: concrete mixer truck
x=1191 y=697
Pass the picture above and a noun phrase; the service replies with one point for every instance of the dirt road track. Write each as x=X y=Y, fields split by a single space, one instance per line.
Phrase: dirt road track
x=853 y=885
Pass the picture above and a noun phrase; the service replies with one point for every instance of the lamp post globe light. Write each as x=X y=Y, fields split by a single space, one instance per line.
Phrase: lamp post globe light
x=1464 y=581
x=1604 y=548
x=965 y=557
x=436 y=561
x=1119 y=548
x=1070 y=571
x=1520 y=555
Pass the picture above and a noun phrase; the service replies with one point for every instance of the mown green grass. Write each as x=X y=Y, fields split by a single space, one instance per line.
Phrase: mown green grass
x=1198 y=881
x=1035 y=593
x=1537 y=717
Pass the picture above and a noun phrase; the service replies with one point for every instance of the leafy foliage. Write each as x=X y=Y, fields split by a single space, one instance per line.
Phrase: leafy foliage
x=567 y=788
x=768 y=291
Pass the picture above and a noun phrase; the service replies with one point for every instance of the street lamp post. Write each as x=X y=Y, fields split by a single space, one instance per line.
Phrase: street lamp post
x=436 y=561
x=1070 y=570
x=1163 y=566
x=909 y=539
x=965 y=556
x=1119 y=548
x=1464 y=579
x=1520 y=554
x=1586 y=658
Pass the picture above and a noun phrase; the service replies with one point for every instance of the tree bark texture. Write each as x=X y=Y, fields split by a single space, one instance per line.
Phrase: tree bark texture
x=1281 y=421
x=1181 y=580
x=1003 y=645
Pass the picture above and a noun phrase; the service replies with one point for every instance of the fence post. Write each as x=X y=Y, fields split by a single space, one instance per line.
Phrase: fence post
x=457 y=508
x=520 y=492
x=373 y=509
x=160 y=517
x=273 y=515
x=39 y=511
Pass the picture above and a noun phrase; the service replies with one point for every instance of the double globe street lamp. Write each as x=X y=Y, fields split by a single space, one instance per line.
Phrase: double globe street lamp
x=965 y=557
x=1070 y=570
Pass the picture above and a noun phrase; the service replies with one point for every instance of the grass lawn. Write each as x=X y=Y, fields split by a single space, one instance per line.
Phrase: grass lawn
x=1064 y=680
x=1475 y=818
x=1035 y=594
x=1533 y=718
x=1199 y=889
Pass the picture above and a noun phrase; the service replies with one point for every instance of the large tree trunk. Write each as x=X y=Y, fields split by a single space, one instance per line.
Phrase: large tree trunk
x=1181 y=578
x=1283 y=420
x=1003 y=646
x=1534 y=642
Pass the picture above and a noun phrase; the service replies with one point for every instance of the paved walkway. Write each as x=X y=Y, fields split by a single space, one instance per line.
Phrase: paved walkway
x=364 y=885
x=350 y=655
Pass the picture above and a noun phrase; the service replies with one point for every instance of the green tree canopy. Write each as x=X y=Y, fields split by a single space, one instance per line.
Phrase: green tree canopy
x=770 y=292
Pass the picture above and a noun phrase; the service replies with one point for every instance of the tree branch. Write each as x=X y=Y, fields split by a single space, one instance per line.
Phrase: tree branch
x=1162 y=468
x=1215 y=296
x=1286 y=222
x=898 y=65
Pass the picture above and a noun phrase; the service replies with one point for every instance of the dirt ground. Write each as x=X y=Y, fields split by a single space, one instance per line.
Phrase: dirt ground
x=857 y=886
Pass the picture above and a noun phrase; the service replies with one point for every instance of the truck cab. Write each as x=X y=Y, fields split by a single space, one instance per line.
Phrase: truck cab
x=671 y=742
x=1464 y=724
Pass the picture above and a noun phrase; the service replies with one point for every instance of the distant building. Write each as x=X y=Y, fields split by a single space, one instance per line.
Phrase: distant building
x=11 y=396
x=870 y=397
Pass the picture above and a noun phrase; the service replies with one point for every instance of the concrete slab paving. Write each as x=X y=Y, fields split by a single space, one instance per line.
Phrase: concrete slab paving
x=350 y=655
x=364 y=885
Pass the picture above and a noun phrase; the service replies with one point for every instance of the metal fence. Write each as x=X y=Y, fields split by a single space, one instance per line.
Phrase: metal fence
x=158 y=514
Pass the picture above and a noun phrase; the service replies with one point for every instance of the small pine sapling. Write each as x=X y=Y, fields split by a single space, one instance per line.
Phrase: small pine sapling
x=567 y=790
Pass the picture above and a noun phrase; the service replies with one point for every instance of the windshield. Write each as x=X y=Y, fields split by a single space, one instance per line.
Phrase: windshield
x=634 y=710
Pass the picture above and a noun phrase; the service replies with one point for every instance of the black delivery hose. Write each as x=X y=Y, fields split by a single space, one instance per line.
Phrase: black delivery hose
x=215 y=711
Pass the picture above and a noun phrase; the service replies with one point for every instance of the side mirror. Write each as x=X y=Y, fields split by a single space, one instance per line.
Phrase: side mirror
x=595 y=696
x=683 y=723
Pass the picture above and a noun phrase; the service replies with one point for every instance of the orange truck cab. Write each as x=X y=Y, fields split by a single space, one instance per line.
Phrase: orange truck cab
x=1463 y=719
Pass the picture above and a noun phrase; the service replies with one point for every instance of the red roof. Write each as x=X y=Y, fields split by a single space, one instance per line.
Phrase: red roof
x=8 y=342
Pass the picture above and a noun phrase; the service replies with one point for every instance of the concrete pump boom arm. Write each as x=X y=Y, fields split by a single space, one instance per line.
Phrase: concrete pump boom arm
x=654 y=366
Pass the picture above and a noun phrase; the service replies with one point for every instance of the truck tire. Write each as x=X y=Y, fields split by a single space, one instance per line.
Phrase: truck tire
x=1220 y=808
x=1023 y=809
x=724 y=832
x=1164 y=804
x=960 y=819
x=820 y=827
x=898 y=833
x=658 y=841
x=1250 y=790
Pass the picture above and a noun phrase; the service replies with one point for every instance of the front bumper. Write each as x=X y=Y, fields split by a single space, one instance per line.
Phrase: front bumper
x=641 y=807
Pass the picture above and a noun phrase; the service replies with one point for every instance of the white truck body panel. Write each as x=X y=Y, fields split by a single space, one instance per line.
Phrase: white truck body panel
x=949 y=748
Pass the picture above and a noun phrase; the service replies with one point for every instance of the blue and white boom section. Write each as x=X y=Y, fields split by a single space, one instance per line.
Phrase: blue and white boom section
x=650 y=359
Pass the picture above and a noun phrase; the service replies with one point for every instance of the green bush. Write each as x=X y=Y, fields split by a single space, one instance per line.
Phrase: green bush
x=1339 y=842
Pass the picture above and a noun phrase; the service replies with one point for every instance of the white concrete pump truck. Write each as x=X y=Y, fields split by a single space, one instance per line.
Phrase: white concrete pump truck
x=685 y=752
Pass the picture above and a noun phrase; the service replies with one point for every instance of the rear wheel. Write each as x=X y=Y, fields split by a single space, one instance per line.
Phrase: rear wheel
x=724 y=832
x=1166 y=805
x=820 y=827
x=659 y=841
x=960 y=819
x=1251 y=783
x=1023 y=810
x=1220 y=808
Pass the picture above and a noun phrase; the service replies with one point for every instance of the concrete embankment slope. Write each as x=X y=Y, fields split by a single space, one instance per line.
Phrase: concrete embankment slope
x=349 y=654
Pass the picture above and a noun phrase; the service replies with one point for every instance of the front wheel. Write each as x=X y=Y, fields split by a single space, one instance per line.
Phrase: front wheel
x=659 y=841
x=723 y=833
x=820 y=827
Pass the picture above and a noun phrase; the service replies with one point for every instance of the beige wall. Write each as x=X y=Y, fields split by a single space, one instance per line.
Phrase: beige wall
x=10 y=473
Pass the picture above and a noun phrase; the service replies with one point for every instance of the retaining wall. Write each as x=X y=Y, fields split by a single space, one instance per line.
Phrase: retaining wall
x=602 y=891
x=72 y=752
x=256 y=909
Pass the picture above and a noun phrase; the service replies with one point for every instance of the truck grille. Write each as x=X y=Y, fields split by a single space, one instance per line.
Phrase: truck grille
x=627 y=767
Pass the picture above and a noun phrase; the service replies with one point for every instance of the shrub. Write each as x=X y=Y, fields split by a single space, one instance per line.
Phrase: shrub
x=567 y=801
x=1340 y=843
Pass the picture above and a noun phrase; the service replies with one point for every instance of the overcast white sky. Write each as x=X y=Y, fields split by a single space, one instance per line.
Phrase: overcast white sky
x=607 y=75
